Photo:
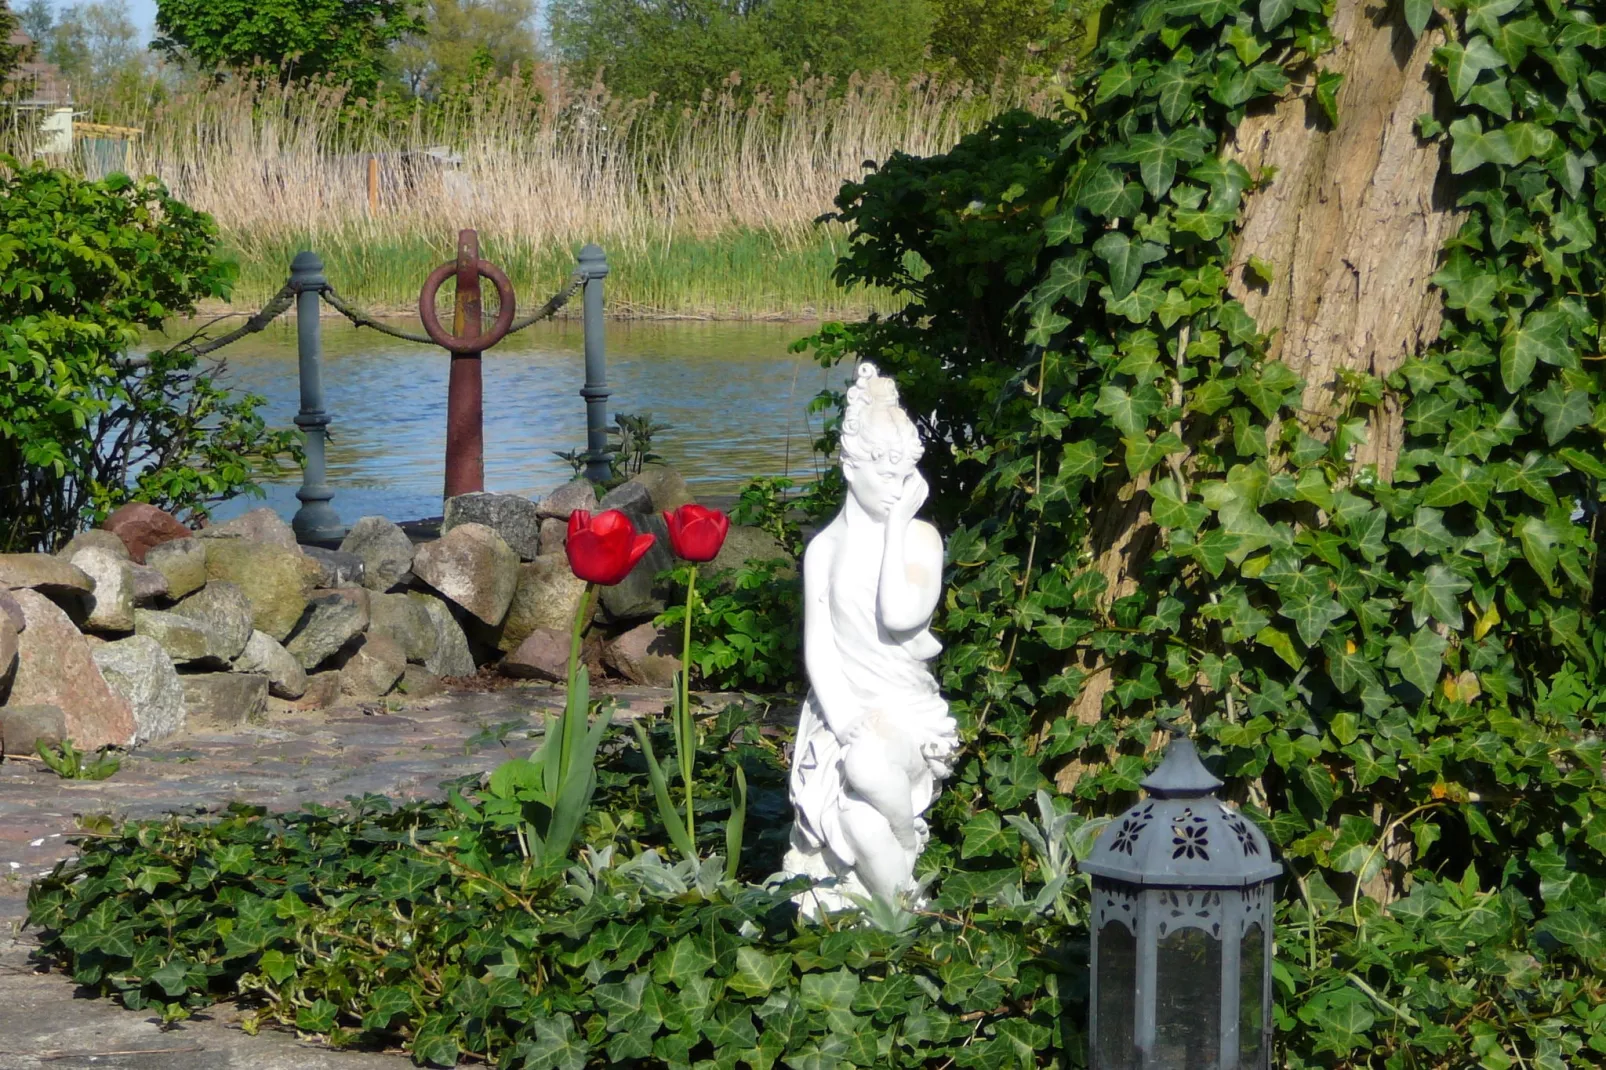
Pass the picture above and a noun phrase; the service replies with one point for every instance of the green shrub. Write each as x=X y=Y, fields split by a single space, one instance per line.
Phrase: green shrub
x=85 y=268
x=1401 y=677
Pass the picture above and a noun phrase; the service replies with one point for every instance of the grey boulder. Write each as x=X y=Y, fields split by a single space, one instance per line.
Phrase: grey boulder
x=263 y=654
x=97 y=538
x=403 y=619
x=565 y=499
x=373 y=668
x=111 y=604
x=452 y=656
x=185 y=640
x=138 y=669
x=548 y=596
x=275 y=580
x=644 y=655
x=544 y=655
x=385 y=550
x=259 y=525
x=223 y=610
x=182 y=562
x=474 y=568
x=515 y=518
x=336 y=568
x=224 y=699
x=332 y=620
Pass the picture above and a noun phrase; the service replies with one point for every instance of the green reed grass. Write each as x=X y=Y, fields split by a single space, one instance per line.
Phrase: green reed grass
x=739 y=274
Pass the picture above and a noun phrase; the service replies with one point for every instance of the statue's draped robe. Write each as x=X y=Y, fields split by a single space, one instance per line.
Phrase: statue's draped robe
x=880 y=673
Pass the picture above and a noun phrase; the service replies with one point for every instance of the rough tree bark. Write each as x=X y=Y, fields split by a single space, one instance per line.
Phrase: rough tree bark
x=1351 y=221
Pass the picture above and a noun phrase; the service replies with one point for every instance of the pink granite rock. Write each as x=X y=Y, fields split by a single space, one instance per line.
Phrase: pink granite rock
x=55 y=668
x=142 y=526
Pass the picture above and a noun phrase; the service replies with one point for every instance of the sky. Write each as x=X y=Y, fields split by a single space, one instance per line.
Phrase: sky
x=143 y=12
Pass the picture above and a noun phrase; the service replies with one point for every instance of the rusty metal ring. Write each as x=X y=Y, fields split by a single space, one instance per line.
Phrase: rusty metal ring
x=432 y=323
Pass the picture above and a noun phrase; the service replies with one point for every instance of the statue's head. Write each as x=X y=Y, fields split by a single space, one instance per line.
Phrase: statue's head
x=880 y=446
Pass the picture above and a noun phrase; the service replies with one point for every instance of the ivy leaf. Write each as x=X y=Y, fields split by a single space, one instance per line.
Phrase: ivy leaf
x=1483 y=16
x=1280 y=644
x=1170 y=511
x=1463 y=64
x=1462 y=481
x=1143 y=454
x=1418 y=659
x=1426 y=534
x=1472 y=147
x=555 y=1045
x=384 y=1004
x=1126 y=258
x=1417 y=13
x=1116 y=80
x=1533 y=477
x=1433 y=592
x=276 y=964
x=1577 y=932
x=1327 y=86
x=1564 y=410
x=1541 y=336
x=1313 y=612
x=687 y=958
x=1082 y=458
x=757 y=973
x=985 y=835
x=1106 y=192
x=1067 y=280
x=1129 y=410
x=1157 y=156
x=1538 y=538
x=1273 y=13
x=1173 y=85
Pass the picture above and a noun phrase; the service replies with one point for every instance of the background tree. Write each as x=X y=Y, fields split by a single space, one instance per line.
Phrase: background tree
x=982 y=39
x=464 y=40
x=680 y=50
x=348 y=40
x=12 y=55
x=99 y=51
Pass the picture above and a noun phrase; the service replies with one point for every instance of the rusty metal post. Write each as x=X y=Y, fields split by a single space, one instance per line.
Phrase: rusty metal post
x=594 y=266
x=465 y=391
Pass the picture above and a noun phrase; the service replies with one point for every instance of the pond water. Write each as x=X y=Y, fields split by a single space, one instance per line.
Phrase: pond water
x=735 y=401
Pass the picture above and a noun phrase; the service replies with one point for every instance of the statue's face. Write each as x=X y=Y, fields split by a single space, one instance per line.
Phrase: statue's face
x=877 y=484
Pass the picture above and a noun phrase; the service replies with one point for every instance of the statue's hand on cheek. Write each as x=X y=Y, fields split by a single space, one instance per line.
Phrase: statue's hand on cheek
x=915 y=490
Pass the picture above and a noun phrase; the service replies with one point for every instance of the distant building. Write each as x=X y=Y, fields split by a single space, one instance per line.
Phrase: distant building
x=39 y=89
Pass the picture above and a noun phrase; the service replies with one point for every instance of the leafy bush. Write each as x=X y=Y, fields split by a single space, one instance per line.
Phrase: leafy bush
x=85 y=267
x=1400 y=676
x=425 y=924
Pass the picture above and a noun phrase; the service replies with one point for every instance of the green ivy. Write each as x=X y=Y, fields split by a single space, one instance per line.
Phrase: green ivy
x=1400 y=677
x=424 y=924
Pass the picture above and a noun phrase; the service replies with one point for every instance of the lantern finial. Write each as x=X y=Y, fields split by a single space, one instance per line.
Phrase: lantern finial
x=1181 y=775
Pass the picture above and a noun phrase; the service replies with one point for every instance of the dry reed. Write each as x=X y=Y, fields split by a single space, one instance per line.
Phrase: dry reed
x=707 y=212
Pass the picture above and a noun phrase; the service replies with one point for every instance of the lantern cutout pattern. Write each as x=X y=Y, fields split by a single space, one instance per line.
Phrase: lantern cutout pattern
x=1182 y=923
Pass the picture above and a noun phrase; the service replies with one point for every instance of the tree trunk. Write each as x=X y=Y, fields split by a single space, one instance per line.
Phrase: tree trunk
x=1351 y=223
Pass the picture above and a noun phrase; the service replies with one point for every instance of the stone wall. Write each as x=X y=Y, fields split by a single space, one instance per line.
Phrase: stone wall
x=144 y=628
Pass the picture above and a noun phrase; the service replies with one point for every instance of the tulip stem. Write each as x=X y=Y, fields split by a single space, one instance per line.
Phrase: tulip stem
x=685 y=739
x=581 y=615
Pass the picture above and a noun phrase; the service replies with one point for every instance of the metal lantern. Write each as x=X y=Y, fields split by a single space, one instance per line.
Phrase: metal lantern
x=1182 y=916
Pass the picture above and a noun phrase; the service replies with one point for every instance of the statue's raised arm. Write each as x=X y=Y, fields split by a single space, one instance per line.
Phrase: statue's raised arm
x=874 y=737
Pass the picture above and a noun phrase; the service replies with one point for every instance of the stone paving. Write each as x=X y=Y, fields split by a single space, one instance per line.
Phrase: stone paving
x=288 y=761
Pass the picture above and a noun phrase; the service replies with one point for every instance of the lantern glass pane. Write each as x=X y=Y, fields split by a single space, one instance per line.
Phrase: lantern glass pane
x=1117 y=997
x=1251 y=992
x=1187 y=1013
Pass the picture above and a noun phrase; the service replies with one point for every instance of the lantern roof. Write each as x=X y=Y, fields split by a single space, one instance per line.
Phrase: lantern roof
x=1182 y=836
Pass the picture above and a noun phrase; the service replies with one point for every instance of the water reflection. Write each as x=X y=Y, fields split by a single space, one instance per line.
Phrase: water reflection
x=735 y=398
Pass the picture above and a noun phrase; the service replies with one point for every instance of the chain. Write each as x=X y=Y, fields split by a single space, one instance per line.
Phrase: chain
x=363 y=319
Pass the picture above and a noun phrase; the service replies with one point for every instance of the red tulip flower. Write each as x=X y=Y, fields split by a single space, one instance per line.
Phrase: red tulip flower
x=696 y=532
x=604 y=548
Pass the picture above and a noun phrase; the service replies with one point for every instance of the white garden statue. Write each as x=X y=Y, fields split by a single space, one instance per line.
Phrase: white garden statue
x=875 y=738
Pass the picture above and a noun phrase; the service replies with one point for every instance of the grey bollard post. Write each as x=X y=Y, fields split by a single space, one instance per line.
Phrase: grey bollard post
x=316 y=520
x=594 y=266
